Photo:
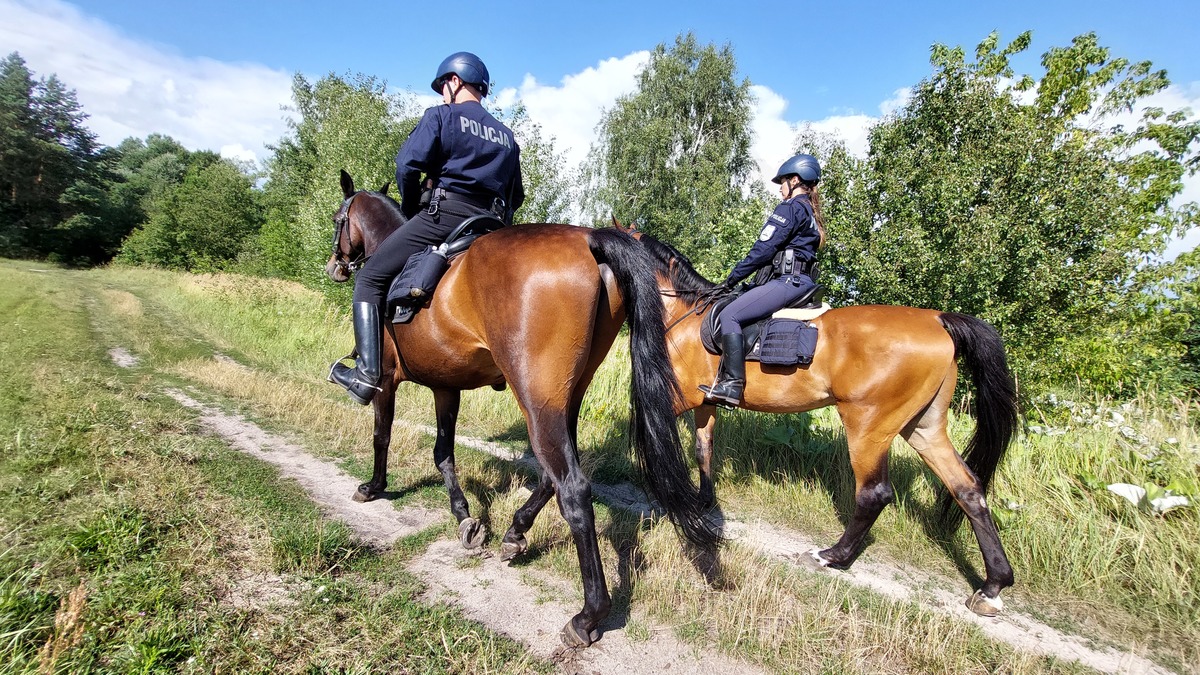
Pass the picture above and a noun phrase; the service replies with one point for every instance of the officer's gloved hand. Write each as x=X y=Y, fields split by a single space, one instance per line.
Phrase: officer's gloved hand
x=725 y=287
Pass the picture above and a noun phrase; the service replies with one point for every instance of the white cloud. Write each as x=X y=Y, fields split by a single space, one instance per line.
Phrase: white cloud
x=570 y=111
x=131 y=88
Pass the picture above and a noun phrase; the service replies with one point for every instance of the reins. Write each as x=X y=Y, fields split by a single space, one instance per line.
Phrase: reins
x=707 y=300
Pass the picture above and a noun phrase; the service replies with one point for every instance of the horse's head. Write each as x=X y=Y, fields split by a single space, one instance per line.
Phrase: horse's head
x=361 y=223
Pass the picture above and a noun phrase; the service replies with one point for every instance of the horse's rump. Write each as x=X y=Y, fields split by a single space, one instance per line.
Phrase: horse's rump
x=525 y=289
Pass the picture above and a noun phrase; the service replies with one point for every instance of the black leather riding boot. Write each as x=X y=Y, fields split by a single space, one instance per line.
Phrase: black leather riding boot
x=362 y=381
x=731 y=372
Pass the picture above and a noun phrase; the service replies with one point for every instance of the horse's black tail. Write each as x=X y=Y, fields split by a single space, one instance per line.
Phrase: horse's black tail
x=982 y=352
x=655 y=388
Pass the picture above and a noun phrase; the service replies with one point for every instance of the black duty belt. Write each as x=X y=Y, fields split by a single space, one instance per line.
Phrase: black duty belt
x=493 y=204
x=785 y=262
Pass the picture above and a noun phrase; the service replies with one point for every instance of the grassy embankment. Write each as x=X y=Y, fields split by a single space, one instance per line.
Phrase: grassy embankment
x=94 y=453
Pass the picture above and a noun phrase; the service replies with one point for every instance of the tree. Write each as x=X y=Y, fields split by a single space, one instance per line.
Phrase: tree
x=1030 y=214
x=343 y=123
x=675 y=155
x=201 y=224
x=51 y=174
x=548 y=188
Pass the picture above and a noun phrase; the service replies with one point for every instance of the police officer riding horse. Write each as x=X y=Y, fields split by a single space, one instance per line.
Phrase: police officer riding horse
x=789 y=241
x=468 y=164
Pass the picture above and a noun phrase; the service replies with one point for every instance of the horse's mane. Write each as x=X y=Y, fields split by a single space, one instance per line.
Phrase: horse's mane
x=390 y=203
x=676 y=267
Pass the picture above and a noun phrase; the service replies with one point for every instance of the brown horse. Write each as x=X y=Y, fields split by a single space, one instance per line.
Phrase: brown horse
x=534 y=307
x=890 y=371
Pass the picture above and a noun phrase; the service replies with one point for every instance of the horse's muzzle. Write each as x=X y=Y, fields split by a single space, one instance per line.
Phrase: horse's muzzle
x=337 y=270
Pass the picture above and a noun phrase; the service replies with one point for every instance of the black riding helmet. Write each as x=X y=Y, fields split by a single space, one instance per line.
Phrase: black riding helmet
x=468 y=67
x=805 y=166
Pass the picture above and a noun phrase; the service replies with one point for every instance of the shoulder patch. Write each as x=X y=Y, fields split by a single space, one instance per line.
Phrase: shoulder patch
x=767 y=233
x=779 y=218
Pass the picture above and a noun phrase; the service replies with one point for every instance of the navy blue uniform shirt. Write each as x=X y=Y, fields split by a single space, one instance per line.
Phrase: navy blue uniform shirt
x=463 y=149
x=790 y=226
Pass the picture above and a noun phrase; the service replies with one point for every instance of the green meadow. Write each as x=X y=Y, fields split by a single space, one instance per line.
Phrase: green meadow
x=134 y=543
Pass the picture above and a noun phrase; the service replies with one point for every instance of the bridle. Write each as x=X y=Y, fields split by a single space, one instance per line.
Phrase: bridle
x=341 y=222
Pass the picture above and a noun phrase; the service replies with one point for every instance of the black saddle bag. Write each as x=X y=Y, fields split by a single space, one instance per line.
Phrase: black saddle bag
x=787 y=342
x=416 y=282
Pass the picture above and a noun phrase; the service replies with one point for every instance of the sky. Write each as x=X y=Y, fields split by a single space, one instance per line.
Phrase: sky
x=217 y=75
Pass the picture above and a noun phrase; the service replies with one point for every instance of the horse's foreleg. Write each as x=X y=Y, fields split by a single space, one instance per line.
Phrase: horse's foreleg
x=384 y=404
x=939 y=455
x=514 y=543
x=706 y=423
x=872 y=492
x=470 y=531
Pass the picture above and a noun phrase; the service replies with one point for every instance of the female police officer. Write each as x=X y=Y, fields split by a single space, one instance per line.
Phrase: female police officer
x=472 y=165
x=790 y=240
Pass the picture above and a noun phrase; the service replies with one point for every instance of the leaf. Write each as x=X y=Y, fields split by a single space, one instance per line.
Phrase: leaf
x=779 y=435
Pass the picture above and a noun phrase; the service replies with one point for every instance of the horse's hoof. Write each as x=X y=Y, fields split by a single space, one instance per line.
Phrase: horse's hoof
x=573 y=639
x=364 y=493
x=983 y=605
x=812 y=559
x=471 y=533
x=512 y=549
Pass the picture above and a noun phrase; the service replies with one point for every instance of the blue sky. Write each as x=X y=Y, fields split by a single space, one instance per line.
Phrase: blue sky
x=216 y=74
x=824 y=58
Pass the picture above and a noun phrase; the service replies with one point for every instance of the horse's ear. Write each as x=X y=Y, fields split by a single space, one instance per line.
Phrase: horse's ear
x=384 y=189
x=347 y=185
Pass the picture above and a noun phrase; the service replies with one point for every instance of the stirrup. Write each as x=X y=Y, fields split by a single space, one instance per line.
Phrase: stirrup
x=724 y=401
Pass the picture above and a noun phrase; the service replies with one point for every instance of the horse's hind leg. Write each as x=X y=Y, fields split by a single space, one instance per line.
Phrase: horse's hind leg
x=551 y=440
x=385 y=410
x=706 y=422
x=470 y=531
x=927 y=435
x=869 y=446
x=514 y=542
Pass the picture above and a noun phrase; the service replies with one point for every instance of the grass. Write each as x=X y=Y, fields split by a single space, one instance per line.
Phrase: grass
x=133 y=544
x=134 y=499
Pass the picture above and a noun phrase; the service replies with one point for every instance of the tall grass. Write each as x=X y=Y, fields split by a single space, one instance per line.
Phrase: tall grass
x=1086 y=559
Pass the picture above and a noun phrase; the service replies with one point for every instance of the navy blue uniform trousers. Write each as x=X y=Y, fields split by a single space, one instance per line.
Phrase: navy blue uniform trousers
x=373 y=280
x=762 y=301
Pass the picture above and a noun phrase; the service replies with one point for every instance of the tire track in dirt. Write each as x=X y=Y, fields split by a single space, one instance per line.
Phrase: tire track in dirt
x=484 y=588
x=505 y=604
x=1021 y=631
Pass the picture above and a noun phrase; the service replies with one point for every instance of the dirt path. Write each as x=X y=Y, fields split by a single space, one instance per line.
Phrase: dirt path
x=486 y=589
x=493 y=594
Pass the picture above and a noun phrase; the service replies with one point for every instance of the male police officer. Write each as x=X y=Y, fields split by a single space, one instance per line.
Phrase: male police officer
x=472 y=165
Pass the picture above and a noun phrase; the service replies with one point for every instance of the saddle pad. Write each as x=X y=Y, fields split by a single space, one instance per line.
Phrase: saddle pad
x=803 y=313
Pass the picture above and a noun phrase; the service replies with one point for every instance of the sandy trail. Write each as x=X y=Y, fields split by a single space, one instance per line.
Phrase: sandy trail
x=486 y=589
x=493 y=594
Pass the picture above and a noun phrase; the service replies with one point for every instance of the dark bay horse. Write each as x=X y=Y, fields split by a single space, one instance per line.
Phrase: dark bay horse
x=536 y=308
x=889 y=371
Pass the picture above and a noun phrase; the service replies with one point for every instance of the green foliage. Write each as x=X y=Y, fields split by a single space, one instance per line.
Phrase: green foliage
x=548 y=186
x=1030 y=215
x=343 y=123
x=674 y=155
x=53 y=176
x=201 y=224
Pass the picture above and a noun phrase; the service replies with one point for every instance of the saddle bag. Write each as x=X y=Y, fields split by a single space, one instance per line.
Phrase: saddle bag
x=416 y=282
x=787 y=342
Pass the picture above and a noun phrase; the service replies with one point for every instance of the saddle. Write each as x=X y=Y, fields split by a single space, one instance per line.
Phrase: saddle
x=414 y=286
x=785 y=338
